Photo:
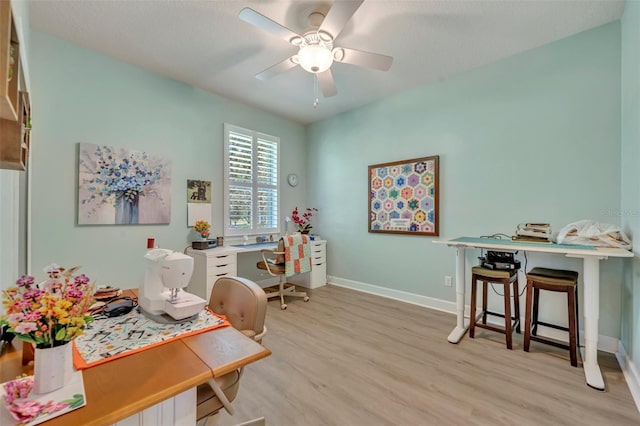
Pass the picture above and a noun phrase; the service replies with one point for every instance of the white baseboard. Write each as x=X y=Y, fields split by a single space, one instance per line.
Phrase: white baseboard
x=403 y=296
x=630 y=374
x=605 y=343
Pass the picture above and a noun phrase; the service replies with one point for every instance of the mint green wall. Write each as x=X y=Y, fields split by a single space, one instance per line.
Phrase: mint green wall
x=534 y=137
x=83 y=96
x=630 y=331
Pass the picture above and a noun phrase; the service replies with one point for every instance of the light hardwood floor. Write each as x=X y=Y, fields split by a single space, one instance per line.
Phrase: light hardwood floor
x=349 y=358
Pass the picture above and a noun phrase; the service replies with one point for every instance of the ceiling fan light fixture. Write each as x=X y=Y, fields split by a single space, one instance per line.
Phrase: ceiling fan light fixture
x=315 y=58
x=325 y=36
x=297 y=41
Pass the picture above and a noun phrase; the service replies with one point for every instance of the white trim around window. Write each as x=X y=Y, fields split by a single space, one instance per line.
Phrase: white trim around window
x=251 y=182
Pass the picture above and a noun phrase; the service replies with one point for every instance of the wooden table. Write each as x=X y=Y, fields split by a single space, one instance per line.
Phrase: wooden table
x=123 y=387
x=590 y=256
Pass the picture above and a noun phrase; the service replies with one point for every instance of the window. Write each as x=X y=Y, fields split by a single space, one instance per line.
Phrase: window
x=251 y=187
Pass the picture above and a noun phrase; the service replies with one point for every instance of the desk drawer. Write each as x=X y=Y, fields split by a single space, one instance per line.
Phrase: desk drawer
x=318 y=258
x=221 y=259
x=214 y=272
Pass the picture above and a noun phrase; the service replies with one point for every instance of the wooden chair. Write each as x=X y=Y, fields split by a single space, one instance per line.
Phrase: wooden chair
x=507 y=278
x=559 y=281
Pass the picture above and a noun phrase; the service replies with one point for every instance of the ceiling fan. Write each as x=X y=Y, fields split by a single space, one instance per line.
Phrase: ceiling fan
x=316 y=49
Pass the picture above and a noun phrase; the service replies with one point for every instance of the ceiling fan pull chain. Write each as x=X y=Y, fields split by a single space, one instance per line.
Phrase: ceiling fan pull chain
x=315 y=91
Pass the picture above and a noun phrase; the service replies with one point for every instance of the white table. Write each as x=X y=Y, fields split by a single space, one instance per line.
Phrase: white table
x=590 y=256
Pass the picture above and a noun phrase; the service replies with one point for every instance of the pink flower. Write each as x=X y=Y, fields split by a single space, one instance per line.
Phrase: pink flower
x=25 y=410
x=32 y=316
x=74 y=292
x=25 y=281
x=14 y=318
x=81 y=279
x=25 y=327
x=33 y=293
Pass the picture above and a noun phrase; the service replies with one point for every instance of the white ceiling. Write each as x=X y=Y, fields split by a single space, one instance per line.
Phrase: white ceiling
x=205 y=44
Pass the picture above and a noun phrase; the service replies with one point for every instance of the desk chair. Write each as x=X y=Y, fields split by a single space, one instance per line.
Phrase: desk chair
x=274 y=263
x=244 y=303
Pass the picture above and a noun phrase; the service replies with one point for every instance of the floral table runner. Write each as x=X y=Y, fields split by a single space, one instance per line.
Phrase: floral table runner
x=113 y=338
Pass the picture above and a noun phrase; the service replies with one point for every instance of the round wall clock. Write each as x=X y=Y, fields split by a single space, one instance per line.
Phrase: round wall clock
x=292 y=179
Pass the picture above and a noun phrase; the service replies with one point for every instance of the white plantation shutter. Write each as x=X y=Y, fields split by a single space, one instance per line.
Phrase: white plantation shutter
x=251 y=182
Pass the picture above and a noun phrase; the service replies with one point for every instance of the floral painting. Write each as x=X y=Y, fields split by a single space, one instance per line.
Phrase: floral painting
x=403 y=197
x=118 y=186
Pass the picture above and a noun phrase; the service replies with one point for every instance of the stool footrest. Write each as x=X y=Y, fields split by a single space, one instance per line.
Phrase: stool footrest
x=546 y=324
x=550 y=342
x=514 y=323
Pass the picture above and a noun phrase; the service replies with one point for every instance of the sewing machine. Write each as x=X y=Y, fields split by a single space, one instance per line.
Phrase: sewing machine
x=167 y=273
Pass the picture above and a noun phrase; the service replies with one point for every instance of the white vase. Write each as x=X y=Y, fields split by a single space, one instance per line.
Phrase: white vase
x=52 y=369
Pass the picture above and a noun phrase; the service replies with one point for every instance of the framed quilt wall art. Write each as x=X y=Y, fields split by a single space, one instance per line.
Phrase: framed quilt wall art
x=403 y=197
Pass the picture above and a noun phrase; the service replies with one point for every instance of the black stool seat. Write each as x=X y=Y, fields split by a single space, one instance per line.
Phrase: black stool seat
x=556 y=280
x=507 y=278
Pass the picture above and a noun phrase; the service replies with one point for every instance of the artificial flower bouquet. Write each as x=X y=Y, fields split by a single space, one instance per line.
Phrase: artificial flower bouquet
x=202 y=227
x=303 y=221
x=50 y=314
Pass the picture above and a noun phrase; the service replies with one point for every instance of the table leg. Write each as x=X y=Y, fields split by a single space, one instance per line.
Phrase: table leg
x=591 y=313
x=461 y=327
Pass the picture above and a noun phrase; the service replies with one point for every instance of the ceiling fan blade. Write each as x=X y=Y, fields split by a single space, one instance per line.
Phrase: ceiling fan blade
x=338 y=16
x=276 y=69
x=327 y=85
x=366 y=59
x=256 y=19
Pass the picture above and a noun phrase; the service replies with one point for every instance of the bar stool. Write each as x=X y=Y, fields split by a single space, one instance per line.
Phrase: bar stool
x=552 y=280
x=506 y=278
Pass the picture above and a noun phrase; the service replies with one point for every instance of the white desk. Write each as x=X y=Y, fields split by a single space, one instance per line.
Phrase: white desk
x=211 y=264
x=590 y=256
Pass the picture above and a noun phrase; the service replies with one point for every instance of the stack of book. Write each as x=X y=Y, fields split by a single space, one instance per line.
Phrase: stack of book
x=533 y=232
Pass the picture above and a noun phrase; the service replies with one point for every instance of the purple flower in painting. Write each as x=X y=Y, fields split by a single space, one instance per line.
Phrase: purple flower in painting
x=376 y=205
x=413 y=180
x=400 y=204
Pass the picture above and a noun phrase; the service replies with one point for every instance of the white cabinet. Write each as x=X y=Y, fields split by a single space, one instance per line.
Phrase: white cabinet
x=208 y=266
x=318 y=275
